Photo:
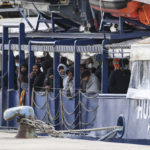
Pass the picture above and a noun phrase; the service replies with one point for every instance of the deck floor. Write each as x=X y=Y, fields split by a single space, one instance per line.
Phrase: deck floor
x=8 y=142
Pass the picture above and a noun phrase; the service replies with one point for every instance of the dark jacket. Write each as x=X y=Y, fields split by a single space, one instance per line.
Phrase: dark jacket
x=23 y=79
x=49 y=81
x=37 y=81
x=119 y=81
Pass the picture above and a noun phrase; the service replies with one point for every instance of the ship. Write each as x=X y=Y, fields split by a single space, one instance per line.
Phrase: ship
x=100 y=116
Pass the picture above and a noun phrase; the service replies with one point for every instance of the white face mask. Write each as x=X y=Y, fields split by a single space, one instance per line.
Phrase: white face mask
x=41 y=69
x=68 y=63
x=17 y=64
x=90 y=65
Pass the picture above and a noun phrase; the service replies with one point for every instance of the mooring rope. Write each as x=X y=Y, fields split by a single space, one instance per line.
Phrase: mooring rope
x=93 y=129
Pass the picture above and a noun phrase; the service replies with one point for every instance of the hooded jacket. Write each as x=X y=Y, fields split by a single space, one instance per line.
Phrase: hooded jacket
x=92 y=85
x=65 y=69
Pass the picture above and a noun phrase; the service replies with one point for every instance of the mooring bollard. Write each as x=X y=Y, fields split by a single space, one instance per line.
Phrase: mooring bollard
x=27 y=112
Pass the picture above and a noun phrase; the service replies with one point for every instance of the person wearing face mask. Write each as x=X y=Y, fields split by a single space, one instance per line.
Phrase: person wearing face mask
x=36 y=78
x=89 y=83
x=62 y=72
x=68 y=82
x=89 y=65
x=119 y=79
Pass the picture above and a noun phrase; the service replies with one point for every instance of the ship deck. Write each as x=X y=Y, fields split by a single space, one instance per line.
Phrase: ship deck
x=8 y=142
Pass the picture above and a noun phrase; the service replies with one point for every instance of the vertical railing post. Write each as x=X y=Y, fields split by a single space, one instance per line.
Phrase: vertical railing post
x=21 y=52
x=3 y=99
x=56 y=83
x=77 y=84
x=121 y=25
x=11 y=85
x=30 y=65
x=104 y=83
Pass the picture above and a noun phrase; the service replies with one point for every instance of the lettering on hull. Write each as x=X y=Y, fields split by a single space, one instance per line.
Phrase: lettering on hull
x=143 y=112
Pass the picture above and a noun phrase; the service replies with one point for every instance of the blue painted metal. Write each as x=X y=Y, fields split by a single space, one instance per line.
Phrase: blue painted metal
x=104 y=83
x=37 y=24
x=11 y=79
x=3 y=102
x=11 y=67
x=40 y=18
x=136 y=23
x=120 y=25
x=26 y=19
x=56 y=83
x=77 y=58
x=21 y=53
x=53 y=22
x=30 y=65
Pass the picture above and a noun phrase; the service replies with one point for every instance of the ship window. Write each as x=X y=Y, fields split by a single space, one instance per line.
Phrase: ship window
x=139 y=87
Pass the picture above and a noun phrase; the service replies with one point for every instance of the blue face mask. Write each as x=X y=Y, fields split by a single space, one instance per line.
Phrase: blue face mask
x=126 y=67
x=17 y=64
x=63 y=76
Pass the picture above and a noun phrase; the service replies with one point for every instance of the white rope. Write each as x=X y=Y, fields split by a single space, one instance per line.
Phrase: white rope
x=71 y=124
x=68 y=113
x=94 y=129
x=50 y=98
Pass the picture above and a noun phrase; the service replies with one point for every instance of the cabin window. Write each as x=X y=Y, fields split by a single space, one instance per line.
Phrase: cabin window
x=139 y=87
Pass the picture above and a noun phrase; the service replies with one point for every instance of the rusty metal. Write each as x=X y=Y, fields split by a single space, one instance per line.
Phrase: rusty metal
x=25 y=130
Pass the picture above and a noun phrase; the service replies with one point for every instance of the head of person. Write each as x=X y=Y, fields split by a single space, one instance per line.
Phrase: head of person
x=89 y=63
x=62 y=70
x=82 y=68
x=37 y=60
x=17 y=61
x=63 y=60
x=116 y=63
x=24 y=68
x=124 y=64
x=36 y=68
x=85 y=75
x=70 y=62
x=70 y=72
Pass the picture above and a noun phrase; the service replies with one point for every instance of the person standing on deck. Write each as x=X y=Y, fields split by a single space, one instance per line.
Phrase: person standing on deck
x=37 y=78
x=89 y=82
x=119 y=78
